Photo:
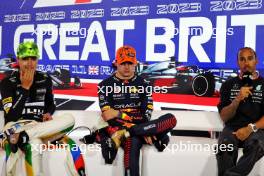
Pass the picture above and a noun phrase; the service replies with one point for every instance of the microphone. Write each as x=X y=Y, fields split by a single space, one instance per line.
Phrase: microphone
x=246 y=79
x=248 y=82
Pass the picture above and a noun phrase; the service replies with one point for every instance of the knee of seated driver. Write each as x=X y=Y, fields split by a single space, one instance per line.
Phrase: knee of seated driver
x=171 y=117
x=68 y=118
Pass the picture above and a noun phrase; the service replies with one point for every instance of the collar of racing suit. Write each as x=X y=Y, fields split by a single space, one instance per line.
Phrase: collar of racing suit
x=123 y=80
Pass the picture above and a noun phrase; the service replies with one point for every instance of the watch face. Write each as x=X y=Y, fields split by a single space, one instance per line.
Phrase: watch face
x=254 y=128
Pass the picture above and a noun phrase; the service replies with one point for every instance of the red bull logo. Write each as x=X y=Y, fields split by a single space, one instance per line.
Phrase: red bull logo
x=51 y=3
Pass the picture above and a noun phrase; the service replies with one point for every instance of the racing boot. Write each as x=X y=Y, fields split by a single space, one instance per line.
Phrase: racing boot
x=108 y=149
x=13 y=140
x=161 y=142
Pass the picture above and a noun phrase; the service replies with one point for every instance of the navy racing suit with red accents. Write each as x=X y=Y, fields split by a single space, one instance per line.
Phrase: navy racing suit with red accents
x=133 y=98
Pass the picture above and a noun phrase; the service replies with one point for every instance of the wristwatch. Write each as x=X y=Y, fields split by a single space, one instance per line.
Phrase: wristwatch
x=253 y=127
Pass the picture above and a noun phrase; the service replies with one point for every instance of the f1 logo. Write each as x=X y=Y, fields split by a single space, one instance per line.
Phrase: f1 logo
x=51 y=3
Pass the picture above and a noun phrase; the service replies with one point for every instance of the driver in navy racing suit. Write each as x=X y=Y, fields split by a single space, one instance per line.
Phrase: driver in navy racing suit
x=126 y=103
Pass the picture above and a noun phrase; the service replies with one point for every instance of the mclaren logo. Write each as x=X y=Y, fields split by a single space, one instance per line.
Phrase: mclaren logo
x=50 y=3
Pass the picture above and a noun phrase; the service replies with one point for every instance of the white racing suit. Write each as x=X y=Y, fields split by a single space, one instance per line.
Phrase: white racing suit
x=37 y=132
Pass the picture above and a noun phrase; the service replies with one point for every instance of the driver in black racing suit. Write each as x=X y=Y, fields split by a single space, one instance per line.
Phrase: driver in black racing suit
x=28 y=106
x=126 y=103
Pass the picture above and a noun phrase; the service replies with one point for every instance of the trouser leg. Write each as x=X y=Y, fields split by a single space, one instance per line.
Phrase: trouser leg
x=253 y=150
x=227 y=159
x=59 y=125
x=33 y=158
x=132 y=148
x=163 y=124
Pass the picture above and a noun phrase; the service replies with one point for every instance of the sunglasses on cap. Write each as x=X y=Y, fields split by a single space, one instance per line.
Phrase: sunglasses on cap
x=27 y=58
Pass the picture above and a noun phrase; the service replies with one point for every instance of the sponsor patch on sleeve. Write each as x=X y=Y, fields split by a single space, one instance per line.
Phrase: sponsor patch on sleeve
x=7 y=107
x=150 y=106
x=7 y=100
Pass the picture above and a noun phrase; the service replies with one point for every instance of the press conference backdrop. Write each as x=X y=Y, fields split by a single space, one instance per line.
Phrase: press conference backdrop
x=191 y=36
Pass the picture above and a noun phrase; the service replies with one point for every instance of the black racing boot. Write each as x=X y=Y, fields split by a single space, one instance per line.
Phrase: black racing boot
x=109 y=150
x=161 y=142
x=23 y=140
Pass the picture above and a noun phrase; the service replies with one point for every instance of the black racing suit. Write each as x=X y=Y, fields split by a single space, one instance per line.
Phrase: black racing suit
x=134 y=99
x=249 y=111
x=19 y=103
